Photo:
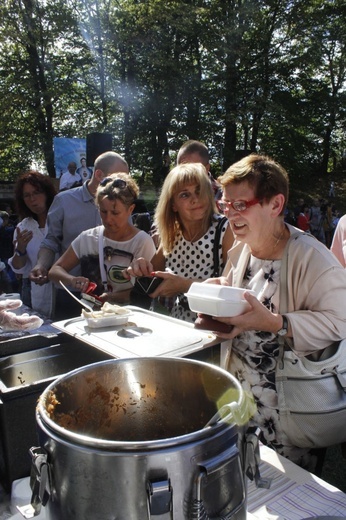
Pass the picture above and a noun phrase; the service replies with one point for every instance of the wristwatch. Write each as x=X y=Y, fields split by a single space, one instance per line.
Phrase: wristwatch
x=19 y=253
x=284 y=329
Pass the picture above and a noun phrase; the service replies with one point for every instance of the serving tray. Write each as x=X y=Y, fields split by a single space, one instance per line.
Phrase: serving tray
x=146 y=333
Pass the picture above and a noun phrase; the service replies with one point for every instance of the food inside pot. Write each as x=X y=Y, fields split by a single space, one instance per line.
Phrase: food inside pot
x=137 y=401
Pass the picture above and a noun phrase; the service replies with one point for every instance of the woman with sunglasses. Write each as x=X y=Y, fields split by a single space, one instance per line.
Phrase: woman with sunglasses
x=105 y=251
x=255 y=194
x=34 y=194
x=186 y=220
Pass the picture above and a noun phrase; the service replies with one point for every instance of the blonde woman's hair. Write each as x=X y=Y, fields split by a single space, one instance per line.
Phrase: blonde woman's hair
x=167 y=220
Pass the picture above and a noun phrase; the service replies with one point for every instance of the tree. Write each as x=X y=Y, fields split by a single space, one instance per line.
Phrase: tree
x=240 y=75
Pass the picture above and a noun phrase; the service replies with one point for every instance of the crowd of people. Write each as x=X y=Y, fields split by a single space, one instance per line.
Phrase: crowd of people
x=318 y=217
x=234 y=231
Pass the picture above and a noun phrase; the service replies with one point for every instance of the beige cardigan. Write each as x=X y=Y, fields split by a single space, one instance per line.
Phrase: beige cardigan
x=316 y=291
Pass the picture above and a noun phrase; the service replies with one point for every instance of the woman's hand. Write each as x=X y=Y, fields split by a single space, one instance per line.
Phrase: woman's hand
x=79 y=283
x=221 y=280
x=172 y=284
x=258 y=317
x=139 y=267
x=23 y=238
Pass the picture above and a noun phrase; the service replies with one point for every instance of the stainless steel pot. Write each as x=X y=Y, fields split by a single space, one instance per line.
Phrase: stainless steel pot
x=126 y=440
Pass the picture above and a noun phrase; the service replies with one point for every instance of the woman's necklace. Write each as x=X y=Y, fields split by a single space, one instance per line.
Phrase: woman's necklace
x=278 y=240
x=194 y=236
x=263 y=260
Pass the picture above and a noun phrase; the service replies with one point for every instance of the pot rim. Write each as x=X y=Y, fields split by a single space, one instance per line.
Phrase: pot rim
x=80 y=439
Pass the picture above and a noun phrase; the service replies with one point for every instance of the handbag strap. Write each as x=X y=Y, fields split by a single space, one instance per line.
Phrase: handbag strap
x=285 y=343
x=101 y=260
x=283 y=305
x=216 y=257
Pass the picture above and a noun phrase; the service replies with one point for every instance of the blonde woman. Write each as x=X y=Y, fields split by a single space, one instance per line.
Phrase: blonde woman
x=186 y=220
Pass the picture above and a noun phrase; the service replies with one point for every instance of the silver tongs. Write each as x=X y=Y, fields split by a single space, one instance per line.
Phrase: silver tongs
x=81 y=302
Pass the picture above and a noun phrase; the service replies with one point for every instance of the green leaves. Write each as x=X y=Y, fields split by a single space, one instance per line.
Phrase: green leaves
x=258 y=75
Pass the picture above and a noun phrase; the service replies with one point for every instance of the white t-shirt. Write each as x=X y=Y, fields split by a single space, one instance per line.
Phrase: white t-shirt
x=117 y=256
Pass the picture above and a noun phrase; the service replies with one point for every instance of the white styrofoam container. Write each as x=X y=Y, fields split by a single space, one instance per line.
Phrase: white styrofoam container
x=10 y=296
x=107 y=321
x=217 y=300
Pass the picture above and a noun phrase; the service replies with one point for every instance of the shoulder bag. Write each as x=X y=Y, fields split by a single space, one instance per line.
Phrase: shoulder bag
x=311 y=394
x=216 y=256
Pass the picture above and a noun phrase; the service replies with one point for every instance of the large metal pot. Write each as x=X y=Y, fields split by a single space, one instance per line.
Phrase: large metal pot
x=126 y=440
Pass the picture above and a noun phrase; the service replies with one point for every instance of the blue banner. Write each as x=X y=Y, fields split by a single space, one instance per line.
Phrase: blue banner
x=66 y=150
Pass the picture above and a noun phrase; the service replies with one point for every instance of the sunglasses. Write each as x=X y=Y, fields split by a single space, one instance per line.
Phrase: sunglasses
x=117 y=183
x=237 y=205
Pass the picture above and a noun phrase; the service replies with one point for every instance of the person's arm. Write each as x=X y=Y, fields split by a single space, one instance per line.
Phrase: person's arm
x=172 y=284
x=55 y=225
x=143 y=267
x=20 y=242
x=51 y=244
x=45 y=259
x=61 y=271
x=338 y=246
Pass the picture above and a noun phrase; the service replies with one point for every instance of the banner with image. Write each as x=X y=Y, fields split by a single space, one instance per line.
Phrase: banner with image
x=68 y=149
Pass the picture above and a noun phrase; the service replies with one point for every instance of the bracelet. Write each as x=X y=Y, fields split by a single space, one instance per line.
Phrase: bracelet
x=19 y=253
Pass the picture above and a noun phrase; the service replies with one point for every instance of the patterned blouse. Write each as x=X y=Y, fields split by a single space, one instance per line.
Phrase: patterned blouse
x=253 y=361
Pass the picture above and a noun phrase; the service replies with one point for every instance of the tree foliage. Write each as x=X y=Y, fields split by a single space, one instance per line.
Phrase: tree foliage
x=240 y=75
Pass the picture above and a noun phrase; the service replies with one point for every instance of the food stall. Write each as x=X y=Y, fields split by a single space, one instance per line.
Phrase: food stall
x=31 y=362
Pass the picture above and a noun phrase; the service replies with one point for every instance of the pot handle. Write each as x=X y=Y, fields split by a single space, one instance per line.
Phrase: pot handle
x=39 y=483
x=209 y=467
x=160 y=499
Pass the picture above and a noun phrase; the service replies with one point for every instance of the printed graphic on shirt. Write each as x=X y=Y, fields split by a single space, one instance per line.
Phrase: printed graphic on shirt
x=115 y=261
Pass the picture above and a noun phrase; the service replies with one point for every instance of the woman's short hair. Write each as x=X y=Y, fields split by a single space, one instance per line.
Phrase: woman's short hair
x=267 y=177
x=42 y=183
x=118 y=186
x=166 y=219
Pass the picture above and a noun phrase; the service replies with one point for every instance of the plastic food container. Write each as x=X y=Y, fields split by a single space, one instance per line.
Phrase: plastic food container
x=113 y=320
x=10 y=296
x=217 y=300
